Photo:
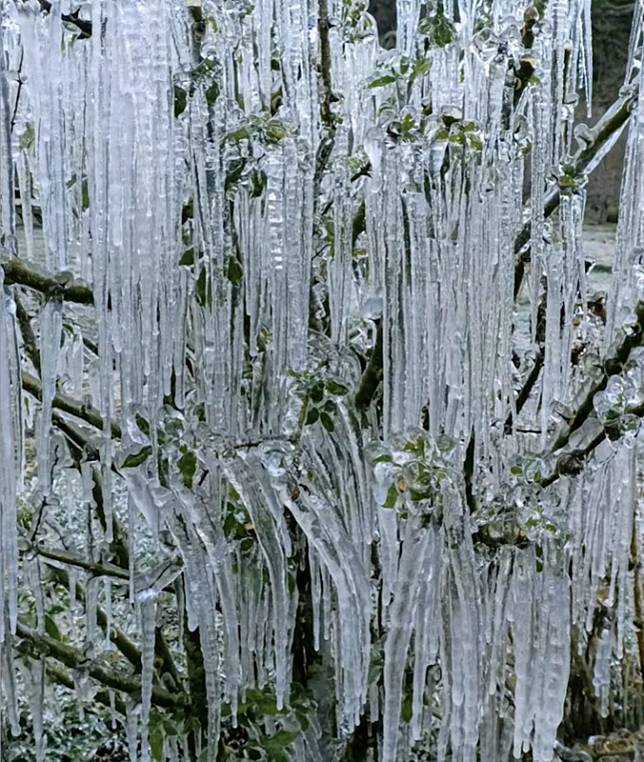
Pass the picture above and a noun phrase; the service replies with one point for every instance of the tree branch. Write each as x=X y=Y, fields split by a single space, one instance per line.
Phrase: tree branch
x=74 y=659
x=372 y=375
x=98 y=570
x=325 y=66
x=613 y=365
x=87 y=413
x=611 y=123
x=122 y=642
x=19 y=272
x=28 y=338
x=60 y=676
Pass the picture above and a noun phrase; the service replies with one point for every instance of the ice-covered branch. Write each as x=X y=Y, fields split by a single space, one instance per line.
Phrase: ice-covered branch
x=601 y=138
x=526 y=389
x=372 y=374
x=613 y=365
x=570 y=463
x=61 y=287
x=62 y=677
x=97 y=569
x=325 y=65
x=72 y=658
x=87 y=413
x=28 y=337
x=122 y=642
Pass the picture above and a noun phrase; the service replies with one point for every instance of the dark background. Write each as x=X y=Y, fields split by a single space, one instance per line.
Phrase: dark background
x=611 y=31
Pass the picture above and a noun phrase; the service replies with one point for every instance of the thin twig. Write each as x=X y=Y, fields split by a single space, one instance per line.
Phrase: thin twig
x=73 y=659
x=69 y=405
x=613 y=365
x=60 y=676
x=97 y=569
x=613 y=120
x=18 y=91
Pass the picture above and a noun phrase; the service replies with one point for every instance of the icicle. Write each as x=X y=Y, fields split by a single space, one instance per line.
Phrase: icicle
x=10 y=451
x=7 y=213
x=412 y=569
x=147 y=607
x=36 y=682
x=8 y=692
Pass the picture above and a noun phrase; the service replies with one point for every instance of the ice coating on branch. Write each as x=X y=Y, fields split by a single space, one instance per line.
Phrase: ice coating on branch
x=324 y=387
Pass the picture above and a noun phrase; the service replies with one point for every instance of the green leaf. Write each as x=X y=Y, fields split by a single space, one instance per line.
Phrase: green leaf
x=135 y=459
x=387 y=79
x=51 y=628
x=330 y=407
x=241 y=133
x=516 y=471
x=335 y=388
x=392 y=497
x=156 y=742
x=303 y=719
x=188 y=467
x=276 y=745
x=85 y=194
x=316 y=392
x=475 y=142
x=406 y=709
x=312 y=416
x=235 y=272
x=180 y=100
x=204 y=290
x=257 y=183
x=212 y=93
x=327 y=421
x=28 y=138
x=443 y=33
x=142 y=424
x=407 y=124
x=235 y=169
x=383 y=459
x=415 y=446
x=187 y=212
x=421 y=67
x=275 y=132
x=187 y=258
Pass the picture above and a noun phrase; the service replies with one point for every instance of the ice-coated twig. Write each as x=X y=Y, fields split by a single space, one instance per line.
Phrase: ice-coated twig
x=96 y=569
x=72 y=658
x=66 y=404
x=604 y=135
x=372 y=375
x=62 y=677
x=19 y=272
x=612 y=365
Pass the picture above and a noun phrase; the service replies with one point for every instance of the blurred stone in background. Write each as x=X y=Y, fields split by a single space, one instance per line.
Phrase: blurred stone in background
x=611 y=30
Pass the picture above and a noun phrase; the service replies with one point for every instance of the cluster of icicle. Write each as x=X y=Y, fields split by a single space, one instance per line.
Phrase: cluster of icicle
x=311 y=192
